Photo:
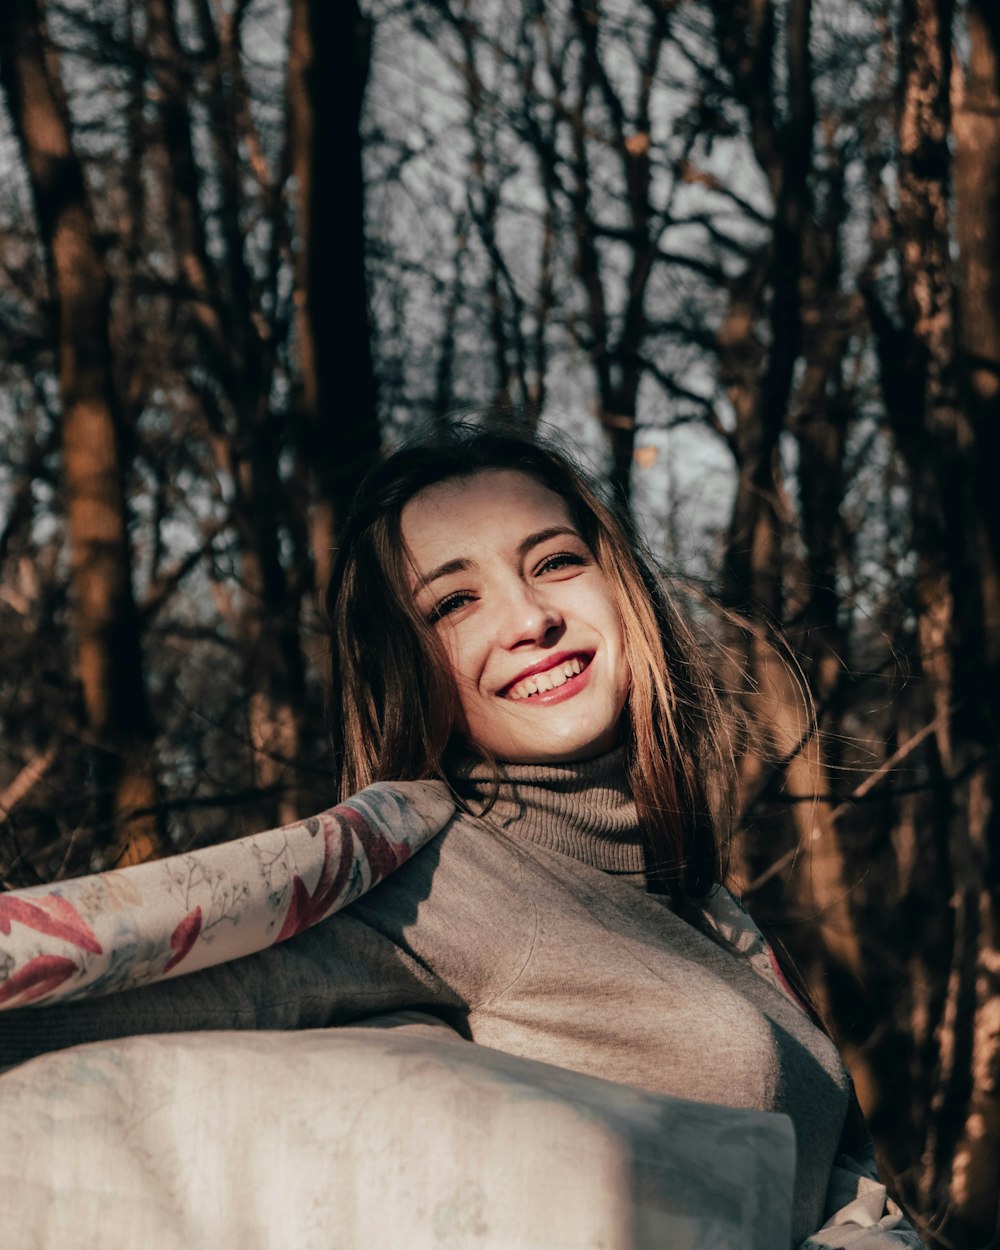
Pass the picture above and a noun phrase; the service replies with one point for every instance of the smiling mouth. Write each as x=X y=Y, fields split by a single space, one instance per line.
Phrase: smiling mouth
x=551 y=679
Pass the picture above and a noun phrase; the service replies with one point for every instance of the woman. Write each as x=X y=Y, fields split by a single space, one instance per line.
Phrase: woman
x=494 y=626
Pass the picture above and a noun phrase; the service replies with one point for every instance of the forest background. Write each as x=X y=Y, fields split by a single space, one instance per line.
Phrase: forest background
x=744 y=254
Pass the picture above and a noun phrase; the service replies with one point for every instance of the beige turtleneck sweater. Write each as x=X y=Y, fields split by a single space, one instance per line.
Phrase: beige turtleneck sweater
x=526 y=931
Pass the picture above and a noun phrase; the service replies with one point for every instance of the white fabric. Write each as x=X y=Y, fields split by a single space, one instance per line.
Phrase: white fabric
x=865 y=1218
x=366 y=1138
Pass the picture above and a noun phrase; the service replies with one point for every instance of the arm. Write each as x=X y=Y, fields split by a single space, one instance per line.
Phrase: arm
x=98 y=934
x=340 y=970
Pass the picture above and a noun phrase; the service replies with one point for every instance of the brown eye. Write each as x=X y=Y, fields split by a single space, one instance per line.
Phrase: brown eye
x=560 y=560
x=451 y=603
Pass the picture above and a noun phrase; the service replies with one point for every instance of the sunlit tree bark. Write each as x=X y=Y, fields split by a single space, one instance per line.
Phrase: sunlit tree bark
x=783 y=308
x=973 y=1211
x=938 y=354
x=109 y=651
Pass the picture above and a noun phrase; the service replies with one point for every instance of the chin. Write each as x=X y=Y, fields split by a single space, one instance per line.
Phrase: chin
x=568 y=743
x=549 y=752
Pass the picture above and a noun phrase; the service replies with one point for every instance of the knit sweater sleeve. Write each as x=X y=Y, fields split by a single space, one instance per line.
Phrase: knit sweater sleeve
x=343 y=969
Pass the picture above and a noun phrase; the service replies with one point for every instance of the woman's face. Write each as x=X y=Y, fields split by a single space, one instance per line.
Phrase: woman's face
x=526 y=617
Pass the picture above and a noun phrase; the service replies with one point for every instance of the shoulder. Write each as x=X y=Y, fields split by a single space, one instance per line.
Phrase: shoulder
x=465 y=860
x=463 y=905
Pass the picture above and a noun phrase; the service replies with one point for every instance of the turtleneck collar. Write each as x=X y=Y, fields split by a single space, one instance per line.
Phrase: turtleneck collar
x=585 y=809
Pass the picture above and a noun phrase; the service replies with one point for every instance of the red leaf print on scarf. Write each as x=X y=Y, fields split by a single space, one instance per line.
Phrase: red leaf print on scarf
x=37 y=977
x=183 y=938
x=306 y=909
x=49 y=914
x=384 y=856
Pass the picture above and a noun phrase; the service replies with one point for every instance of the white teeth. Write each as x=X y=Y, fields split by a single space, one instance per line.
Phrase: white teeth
x=548 y=680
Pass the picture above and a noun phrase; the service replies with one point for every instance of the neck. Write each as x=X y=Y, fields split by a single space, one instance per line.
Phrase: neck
x=585 y=809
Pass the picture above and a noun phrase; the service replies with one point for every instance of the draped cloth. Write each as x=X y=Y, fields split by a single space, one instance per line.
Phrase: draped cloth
x=394 y=1133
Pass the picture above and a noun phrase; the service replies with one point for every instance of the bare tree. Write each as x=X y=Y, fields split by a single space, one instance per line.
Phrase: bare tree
x=107 y=635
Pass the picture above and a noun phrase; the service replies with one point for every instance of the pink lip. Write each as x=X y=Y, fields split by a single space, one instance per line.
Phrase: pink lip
x=570 y=687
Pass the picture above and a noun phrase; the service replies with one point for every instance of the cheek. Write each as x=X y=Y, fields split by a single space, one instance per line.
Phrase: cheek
x=456 y=659
x=459 y=666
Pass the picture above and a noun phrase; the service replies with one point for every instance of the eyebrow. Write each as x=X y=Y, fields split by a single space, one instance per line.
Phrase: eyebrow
x=461 y=563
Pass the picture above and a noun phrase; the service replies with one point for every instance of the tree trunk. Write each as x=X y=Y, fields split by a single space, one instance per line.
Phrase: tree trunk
x=976 y=130
x=973 y=1212
x=109 y=649
x=330 y=50
x=938 y=375
x=758 y=344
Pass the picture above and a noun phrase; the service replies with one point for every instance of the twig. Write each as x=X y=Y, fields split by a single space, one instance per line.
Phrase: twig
x=26 y=780
x=859 y=792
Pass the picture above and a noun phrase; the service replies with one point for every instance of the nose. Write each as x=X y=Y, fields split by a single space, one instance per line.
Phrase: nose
x=528 y=618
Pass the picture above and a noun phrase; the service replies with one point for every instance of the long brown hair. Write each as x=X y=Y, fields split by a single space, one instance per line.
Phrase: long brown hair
x=393 y=704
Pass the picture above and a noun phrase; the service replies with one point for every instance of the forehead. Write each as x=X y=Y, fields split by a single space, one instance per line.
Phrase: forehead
x=491 y=509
